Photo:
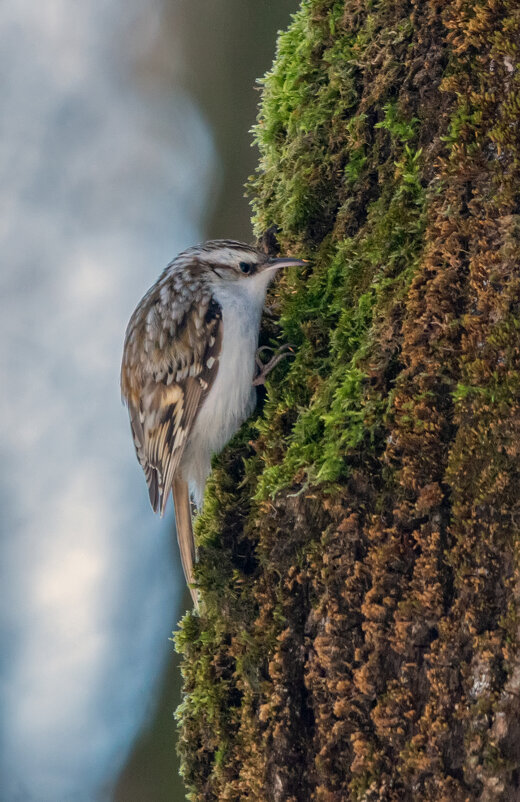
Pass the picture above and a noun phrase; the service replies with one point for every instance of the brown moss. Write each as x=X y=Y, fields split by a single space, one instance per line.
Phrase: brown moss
x=360 y=639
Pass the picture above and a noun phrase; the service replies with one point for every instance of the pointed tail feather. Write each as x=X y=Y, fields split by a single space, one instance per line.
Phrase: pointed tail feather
x=181 y=500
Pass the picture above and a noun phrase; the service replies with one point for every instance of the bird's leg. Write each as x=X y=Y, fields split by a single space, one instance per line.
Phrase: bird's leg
x=272 y=311
x=264 y=368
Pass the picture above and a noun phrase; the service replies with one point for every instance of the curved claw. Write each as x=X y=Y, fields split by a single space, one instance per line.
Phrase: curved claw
x=265 y=368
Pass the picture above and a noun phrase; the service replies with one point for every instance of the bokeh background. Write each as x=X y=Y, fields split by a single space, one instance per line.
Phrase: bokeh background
x=124 y=138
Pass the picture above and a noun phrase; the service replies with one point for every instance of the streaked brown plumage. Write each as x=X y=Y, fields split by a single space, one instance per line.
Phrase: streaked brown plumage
x=200 y=320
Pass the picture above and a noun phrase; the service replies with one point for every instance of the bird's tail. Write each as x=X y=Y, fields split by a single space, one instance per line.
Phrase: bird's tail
x=181 y=500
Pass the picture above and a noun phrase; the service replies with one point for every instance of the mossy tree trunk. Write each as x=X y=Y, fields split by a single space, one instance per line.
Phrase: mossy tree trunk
x=359 y=549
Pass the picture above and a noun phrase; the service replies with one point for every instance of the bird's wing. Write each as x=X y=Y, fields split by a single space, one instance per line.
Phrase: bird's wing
x=164 y=405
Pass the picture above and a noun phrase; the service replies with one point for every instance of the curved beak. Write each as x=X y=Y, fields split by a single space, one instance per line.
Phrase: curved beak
x=284 y=261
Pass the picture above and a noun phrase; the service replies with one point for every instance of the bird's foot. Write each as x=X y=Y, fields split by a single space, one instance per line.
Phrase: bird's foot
x=265 y=368
x=272 y=311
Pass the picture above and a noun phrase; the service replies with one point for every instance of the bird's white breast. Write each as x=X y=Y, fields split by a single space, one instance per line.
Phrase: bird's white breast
x=232 y=397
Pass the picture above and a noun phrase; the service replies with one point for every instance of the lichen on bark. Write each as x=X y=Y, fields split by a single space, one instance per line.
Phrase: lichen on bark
x=358 y=636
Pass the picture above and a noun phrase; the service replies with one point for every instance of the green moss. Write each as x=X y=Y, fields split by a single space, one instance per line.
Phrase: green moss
x=358 y=559
x=352 y=282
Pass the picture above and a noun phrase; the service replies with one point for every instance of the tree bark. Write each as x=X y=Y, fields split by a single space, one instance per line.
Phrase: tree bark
x=359 y=634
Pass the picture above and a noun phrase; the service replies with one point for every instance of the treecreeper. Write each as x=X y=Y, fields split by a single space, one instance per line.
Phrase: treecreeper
x=189 y=372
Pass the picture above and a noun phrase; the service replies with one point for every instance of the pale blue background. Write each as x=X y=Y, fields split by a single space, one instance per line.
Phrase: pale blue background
x=109 y=166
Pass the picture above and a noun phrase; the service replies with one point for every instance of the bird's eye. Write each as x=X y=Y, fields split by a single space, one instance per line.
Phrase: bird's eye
x=245 y=267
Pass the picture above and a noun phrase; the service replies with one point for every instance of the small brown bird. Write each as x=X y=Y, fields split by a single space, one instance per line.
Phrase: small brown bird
x=188 y=370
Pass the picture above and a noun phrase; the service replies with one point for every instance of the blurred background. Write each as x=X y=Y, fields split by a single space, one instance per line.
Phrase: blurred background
x=124 y=139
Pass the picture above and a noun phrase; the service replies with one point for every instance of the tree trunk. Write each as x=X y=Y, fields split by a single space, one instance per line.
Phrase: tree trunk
x=359 y=634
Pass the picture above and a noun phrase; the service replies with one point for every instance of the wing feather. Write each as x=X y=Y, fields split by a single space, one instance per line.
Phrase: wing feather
x=164 y=401
x=177 y=425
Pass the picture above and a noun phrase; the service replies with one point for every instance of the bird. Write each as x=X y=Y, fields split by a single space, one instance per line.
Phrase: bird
x=188 y=370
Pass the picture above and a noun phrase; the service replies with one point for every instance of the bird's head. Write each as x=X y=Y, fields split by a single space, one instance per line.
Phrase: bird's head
x=230 y=263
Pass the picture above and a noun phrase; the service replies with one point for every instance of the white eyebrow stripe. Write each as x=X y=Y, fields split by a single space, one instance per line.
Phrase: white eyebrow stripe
x=231 y=256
